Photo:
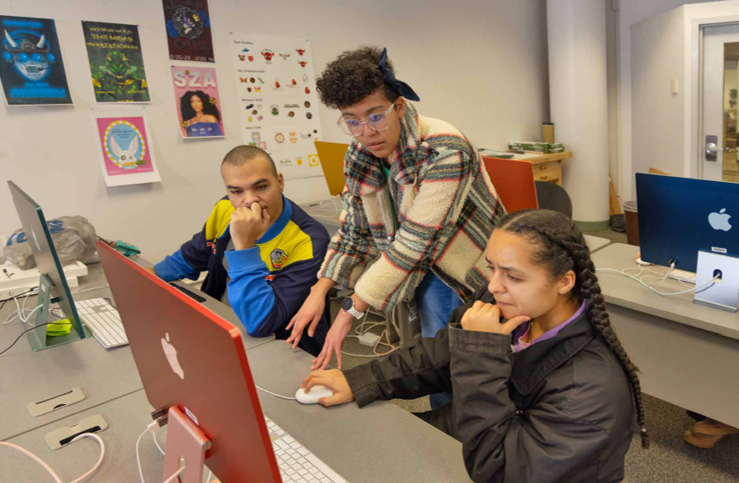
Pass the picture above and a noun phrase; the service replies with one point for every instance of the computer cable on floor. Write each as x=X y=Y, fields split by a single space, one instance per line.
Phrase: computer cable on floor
x=51 y=471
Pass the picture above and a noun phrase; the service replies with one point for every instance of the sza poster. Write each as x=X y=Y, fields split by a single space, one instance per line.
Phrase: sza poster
x=31 y=67
x=198 y=104
x=116 y=62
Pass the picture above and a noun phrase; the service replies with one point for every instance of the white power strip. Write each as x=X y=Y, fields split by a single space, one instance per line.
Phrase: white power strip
x=14 y=281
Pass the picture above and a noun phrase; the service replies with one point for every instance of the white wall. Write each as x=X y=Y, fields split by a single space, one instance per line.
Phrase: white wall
x=631 y=12
x=481 y=65
x=658 y=123
x=665 y=127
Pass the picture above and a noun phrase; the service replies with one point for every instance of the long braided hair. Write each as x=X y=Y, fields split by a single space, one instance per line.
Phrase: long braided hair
x=561 y=247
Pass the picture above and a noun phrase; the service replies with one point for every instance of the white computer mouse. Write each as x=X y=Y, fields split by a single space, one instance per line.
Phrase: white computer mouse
x=312 y=397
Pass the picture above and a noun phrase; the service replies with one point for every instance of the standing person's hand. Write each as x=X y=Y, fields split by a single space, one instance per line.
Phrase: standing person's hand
x=248 y=225
x=482 y=317
x=309 y=316
x=334 y=341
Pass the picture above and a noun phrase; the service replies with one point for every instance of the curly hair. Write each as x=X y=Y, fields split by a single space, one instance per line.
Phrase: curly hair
x=208 y=108
x=561 y=247
x=353 y=76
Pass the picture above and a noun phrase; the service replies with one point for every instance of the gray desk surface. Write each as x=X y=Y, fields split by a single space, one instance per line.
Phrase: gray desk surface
x=596 y=243
x=687 y=354
x=102 y=374
x=127 y=417
x=622 y=291
x=380 y=442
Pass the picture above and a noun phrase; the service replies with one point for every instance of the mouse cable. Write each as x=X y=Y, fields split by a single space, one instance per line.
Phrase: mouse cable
x=276 y=395
x=48 y=468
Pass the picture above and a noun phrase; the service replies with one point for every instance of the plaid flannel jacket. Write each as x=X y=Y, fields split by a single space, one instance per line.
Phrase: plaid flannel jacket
x=441 y=214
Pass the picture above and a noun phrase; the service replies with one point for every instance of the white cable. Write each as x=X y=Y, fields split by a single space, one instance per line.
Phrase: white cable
x=48 y=468
x=177 y=473
x=154 y=437
x=35 y=458
x=210 y=476
x=83 y=290
x=100 y=459
x=277 y=395
x=138 y=457
x=665 y=294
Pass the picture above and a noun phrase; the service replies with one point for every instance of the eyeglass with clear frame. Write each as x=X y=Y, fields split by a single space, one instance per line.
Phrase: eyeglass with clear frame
x=377 y=122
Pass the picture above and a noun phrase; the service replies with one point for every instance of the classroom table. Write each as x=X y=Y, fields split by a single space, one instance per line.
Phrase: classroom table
x=380 y=442
x=102 y=374
x=688 y=353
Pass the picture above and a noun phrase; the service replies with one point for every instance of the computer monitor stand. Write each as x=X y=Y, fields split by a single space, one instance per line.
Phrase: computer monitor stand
x=184 y=439
x=724 y=293
x=38 y=339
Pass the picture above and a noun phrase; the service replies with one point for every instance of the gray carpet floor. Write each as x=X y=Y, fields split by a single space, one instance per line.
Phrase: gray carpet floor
x=669 y=460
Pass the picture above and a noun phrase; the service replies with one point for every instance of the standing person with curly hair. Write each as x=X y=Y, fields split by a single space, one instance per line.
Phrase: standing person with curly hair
x=542 y=389
x=200 y=115
x=418 y=203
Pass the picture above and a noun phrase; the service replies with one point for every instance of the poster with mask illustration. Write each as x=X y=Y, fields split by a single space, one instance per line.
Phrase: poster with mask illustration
x=31 y=65
x=124 y=141
x=188 y=30
x=116 y=62
x=198 y=102
x=277 y=100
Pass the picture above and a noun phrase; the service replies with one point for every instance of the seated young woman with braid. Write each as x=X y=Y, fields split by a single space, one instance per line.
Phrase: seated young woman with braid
x=542 y=390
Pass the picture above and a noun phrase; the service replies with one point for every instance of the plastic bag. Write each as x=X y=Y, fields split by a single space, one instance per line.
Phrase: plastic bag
x=74 y=238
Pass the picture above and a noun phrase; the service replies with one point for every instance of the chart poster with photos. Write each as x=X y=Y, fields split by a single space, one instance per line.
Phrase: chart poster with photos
x=31 y=64
x=277 y=101
x=116 y=62
x=124 y=142
x=198 y=102
x=188 y=30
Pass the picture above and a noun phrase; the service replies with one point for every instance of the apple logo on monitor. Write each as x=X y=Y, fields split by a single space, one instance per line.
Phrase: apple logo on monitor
x=720 y=220
x=171 y=354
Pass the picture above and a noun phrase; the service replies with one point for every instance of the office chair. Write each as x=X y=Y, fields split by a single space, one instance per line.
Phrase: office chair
x=553 y=197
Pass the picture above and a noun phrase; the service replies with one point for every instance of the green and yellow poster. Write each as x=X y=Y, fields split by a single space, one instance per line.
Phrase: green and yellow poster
x=116 y=62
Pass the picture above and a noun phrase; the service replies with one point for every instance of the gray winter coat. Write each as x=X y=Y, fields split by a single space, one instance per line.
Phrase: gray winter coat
x=558 y=411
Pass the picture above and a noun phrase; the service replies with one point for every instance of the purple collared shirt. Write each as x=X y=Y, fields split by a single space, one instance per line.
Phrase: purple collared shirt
x=522 y=332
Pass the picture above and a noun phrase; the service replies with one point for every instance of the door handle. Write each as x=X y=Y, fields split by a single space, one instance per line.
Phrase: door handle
x=711 y=148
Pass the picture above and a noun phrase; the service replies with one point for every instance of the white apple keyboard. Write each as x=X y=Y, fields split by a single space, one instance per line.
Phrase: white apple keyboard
x=297 y=464
x=104 y=322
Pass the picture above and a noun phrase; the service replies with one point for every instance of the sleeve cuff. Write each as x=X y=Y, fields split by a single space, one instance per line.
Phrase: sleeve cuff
x=244 y=260
x=478 y=342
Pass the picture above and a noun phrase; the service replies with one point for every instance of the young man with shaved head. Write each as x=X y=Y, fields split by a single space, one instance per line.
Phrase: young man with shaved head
x=262 y=251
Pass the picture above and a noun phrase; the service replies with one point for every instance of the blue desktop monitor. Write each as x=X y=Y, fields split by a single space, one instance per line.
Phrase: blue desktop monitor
x=53 y=287
x=680 y=216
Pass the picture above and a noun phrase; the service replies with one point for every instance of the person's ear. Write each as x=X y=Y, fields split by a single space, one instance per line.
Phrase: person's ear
x=281 y=181
x=566 y=283
x=400 y=107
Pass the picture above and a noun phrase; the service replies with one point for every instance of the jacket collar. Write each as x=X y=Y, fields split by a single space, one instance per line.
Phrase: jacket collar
x=364 y=170
x=534 y=364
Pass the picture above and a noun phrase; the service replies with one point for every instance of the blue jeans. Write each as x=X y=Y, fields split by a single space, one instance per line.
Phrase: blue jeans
x=436 y=303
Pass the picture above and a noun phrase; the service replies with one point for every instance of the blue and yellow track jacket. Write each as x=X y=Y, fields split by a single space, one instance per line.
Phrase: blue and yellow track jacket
x=268 y=283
